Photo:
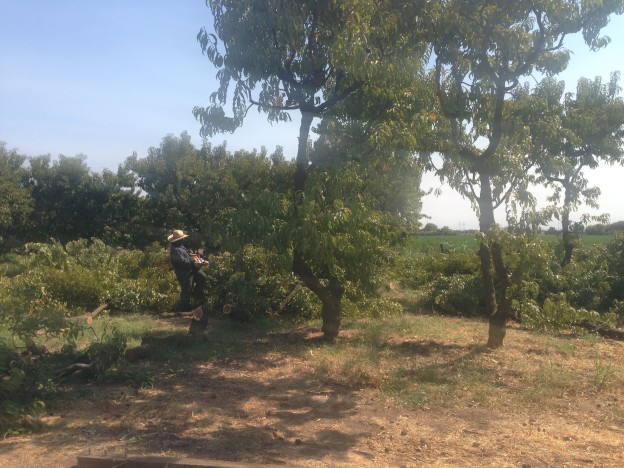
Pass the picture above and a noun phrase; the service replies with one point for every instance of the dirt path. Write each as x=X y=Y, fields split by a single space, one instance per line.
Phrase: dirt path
x=276 y=411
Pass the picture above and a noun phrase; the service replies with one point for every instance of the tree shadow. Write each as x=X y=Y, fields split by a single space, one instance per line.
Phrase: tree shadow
x=230 y=401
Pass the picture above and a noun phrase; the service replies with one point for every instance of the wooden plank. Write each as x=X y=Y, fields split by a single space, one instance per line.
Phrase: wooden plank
x=90 y=461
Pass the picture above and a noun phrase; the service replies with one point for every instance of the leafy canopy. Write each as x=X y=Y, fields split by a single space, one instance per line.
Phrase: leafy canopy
x=290 y=55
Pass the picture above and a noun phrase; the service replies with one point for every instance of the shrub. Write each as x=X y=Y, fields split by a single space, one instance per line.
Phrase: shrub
x=139 y=295
x=448 y=282
x=557 y=314
x=617 y=310
x=75 y=286
x=371 y=306
x=255 y=280
x=585 y=280
x=458 y=294
x=83 y=275
x=615 y=251
x=25 y=382
x=26 y=319
x=20 y=407
x=106 y=351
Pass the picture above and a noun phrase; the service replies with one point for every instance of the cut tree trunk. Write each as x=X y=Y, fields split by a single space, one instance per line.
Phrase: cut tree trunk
x=199 y=322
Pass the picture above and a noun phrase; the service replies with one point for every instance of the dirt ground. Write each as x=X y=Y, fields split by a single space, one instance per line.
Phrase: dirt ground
x=259 y=409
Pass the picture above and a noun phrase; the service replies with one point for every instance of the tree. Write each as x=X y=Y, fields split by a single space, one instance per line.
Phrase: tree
x=204 y=190
x=482 y=49
x=366 y=198
x=15 y=199
x=305 y=56
x=618 y=226
x=576 y=132
x=62 y=192
x=430 y=227
x=596 y=230
x=70 y=202
x=166 y=176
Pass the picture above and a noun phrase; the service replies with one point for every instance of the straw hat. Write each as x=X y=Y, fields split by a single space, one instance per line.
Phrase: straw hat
x=176 y=236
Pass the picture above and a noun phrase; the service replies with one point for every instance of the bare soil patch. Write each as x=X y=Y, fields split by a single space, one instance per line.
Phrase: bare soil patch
x=270 y=405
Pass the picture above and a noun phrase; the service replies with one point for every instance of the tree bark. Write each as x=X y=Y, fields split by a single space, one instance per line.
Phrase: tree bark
x=493 y=268
x=568 y=246
x=498 y=321
x=331 y=294
x=302 y=161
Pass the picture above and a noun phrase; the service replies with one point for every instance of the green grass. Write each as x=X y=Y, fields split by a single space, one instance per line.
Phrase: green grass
x=459 y=243
x=468 y=242
x=422 y=360
x=598 y=239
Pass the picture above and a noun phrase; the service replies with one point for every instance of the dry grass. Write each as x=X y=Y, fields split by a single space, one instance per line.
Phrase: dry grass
x=428 y=360
x=405 y=391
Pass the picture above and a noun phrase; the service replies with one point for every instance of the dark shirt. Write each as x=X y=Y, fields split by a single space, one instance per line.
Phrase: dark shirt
x=181 y=260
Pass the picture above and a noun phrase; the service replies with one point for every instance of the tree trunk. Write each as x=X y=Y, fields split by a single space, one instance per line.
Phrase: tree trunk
x=492 y=267
x=498 y=321
x=302 y=161
x=331 y=294
x=332 y=313
x=568 y=246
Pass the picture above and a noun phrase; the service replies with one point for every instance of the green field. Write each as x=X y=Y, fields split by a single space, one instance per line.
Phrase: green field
x=468 y=242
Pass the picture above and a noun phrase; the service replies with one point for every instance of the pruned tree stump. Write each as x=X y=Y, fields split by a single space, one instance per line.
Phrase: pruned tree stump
x=199 y=322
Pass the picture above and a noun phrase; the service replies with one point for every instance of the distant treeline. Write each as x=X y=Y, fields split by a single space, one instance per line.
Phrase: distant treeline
x=600 y=229
x=431 y=229
x=176 y=186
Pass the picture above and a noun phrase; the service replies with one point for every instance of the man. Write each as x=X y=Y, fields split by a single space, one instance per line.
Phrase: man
x=187 y=272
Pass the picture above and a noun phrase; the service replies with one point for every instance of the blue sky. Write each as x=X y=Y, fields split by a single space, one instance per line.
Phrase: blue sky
x=106 y=79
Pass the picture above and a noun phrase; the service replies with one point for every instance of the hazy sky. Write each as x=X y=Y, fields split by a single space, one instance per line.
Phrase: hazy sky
x=106 y=79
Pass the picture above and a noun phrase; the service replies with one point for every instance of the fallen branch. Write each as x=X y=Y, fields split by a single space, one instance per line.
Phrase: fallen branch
x=88 y=317
x=288 y=298
x=78 y=367
x=37 y=350
x=139 y=352
x=611 y=333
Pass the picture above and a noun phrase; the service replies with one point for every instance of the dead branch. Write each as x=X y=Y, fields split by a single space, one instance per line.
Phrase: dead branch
x=610 y=333
x=288 y=298
x=78 y=367
x=88 y=317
